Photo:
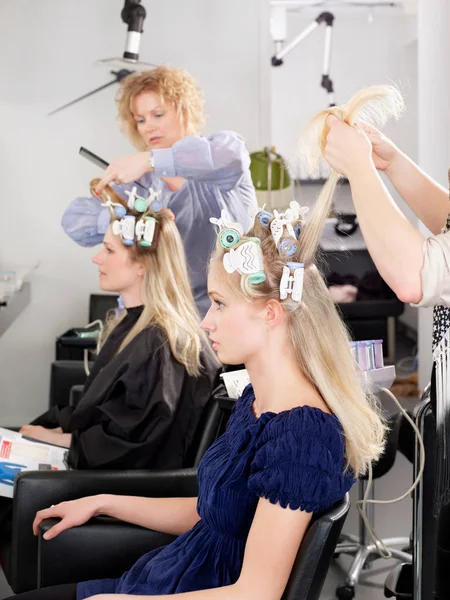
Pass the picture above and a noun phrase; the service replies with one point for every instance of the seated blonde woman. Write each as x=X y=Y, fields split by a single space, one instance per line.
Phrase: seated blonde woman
x=155 y=372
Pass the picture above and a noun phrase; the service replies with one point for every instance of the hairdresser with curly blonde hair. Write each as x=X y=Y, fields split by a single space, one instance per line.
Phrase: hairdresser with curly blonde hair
x=162 y=113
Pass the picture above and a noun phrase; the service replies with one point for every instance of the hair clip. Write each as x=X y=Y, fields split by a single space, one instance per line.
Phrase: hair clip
x=288 y=247
x=247 y=259
x=292 y=284
x=125 y=228
x=285 y=219
x=145 y=228
x=117 y=209
x=135 y=202
x=153 y=200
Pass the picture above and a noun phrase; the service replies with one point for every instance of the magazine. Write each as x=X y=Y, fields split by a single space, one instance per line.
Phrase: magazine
x=19 y=453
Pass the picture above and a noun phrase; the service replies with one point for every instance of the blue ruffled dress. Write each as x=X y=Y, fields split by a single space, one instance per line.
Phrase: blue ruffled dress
x=295 y=458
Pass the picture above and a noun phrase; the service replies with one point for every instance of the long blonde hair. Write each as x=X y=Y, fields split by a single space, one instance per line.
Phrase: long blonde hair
x=171 y=85
x=166 y=291
x=318 y=336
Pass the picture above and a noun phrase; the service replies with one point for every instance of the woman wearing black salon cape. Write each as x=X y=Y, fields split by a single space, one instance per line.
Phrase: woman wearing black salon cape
x=155 y=372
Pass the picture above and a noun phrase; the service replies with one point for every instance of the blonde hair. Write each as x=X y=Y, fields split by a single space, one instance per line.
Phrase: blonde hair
x=166 y=291
x=318 y=336
x=373 y=105
x=171 y=85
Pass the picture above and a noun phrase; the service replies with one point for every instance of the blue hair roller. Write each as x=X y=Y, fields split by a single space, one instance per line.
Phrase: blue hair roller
x=120 y=211
x=264 y=218
x=297 y=230
x=290 y=248
x=156 y=206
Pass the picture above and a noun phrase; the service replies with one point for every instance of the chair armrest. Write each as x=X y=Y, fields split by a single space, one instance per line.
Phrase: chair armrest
x=103 y=541
x=75 y=394
x=63 y=375
x=35 y=490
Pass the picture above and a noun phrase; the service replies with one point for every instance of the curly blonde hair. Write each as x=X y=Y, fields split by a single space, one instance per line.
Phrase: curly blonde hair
x=171 y=85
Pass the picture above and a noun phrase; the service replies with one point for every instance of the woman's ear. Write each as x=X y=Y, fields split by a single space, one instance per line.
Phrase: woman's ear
x=140 y=270
x=274 y=313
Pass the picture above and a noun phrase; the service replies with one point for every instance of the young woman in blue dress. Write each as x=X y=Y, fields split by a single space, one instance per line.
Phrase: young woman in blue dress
x=298 y=437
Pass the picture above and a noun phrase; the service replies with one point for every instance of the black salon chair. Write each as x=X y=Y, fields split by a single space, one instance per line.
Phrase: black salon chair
x=69 y=346
x=64 y=375
x=406 y=580
x=103 y=541
x=361 y=546
x=35 y=490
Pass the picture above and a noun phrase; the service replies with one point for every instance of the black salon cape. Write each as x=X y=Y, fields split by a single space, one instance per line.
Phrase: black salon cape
x=139 y=408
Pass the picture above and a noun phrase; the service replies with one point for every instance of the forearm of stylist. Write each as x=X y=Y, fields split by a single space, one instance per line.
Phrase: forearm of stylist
x=395 y=245
x=129 y=168
x=426 y=197
x=126 y=169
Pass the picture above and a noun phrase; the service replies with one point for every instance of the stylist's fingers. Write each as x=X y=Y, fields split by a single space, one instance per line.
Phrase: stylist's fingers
x=368 y=128
x=105 y=180
x=331 y=120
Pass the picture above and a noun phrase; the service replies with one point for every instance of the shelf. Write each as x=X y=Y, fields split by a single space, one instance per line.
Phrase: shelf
x=14 y=307
x=375 y=379
x=320 y=181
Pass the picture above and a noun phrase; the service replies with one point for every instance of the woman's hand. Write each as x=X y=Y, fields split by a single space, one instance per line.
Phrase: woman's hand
x=72 y=514
x=347 y=148
x=125 y=170
x=51 y=436
x=384 y=151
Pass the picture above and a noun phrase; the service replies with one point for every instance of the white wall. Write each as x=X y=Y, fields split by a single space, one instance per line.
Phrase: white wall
x=363 y=54
x=47 y=49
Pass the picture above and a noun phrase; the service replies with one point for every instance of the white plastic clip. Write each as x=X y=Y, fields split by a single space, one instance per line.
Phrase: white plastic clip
x=292 y=284
x=116 y=209
x=125 y=228
x=145 y=231
x=131 y=197
x=246 y=259
x=285 y=219
x=225 y=223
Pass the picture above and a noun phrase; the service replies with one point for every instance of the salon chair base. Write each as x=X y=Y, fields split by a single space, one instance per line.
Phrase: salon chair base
x=399 y=582
x=363 y=556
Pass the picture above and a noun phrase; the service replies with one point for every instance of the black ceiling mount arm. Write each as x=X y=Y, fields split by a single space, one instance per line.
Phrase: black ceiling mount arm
x=119 y=75
x=327 y=18
x=133 y=14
